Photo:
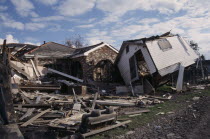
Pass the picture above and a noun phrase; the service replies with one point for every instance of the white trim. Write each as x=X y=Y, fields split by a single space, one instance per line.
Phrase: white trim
x=91 y=50
x=65 y=75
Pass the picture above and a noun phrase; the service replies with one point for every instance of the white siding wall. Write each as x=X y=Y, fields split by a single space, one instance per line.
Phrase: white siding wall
x=180 y=52
x=124 y=66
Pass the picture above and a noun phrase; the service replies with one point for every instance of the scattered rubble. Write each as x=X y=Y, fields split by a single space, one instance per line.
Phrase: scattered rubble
x=39 y=98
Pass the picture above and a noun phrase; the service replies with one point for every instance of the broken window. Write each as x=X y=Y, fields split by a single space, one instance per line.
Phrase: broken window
x=127 y=48
x=164 y=44
x=132 y=62
x=143 y=70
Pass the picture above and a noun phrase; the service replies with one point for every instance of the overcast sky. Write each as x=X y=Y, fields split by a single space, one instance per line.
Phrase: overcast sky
x=110 y=21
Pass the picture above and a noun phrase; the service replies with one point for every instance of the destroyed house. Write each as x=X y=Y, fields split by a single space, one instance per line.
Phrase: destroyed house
x=93 y=63
x=51 y=55
x=19 y=49
x=96 y=62
x=143 y=63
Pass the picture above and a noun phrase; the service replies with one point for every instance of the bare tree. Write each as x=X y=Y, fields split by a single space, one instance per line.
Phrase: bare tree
x=194 y=45
x=76 y=42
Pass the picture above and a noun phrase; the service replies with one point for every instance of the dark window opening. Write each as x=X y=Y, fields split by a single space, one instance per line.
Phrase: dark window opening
x=76 y=69
x=164 y=44
x=132 y=62
x=127 y=48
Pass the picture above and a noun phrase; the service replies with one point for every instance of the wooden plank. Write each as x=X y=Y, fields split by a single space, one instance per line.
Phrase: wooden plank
x=34 y=118
x=105 y=129
x=179 y=84
x=156 y=97
x=136 y=112
x=112 y=103
x=31 y=110
x=40 y=87
x=94 y=101
x=35 y=69
x=80 y=100
x=65 y=75
x=26 y=98
x=132 y=89
x=134 y=115
x=19 y=50
x=75 y=97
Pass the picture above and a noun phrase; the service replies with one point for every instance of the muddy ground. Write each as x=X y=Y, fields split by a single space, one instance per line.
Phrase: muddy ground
x=190 y=122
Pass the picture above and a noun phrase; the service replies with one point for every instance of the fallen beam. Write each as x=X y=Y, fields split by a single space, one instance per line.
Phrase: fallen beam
x=40 y=87
x=34 y=118
x=94 y=101
x=136 y=112
x=65 y=75
x=105 y=129
x=156 y=97
x=111 y=103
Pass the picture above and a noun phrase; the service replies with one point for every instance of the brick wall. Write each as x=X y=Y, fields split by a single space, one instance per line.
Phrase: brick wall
x=88 y=63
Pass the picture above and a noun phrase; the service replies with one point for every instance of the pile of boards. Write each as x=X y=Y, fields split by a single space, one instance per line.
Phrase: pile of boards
x=41 y=114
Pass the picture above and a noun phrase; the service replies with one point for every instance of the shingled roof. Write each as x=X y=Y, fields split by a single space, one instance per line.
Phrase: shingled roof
x=85 y=50
x=52 y=49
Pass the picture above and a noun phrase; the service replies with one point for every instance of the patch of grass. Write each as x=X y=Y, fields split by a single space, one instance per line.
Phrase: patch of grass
x=145 y=118
x=164 y=88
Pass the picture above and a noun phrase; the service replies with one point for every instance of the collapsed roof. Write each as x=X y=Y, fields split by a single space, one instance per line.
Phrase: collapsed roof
x=162 y=54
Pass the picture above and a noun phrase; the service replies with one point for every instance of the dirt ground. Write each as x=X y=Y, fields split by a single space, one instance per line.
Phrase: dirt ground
x=190 y=122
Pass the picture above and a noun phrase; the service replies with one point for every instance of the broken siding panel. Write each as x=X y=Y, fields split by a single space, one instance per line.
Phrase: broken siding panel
x=148 y=59
x=180 y=52
x=27 y=68
x=124 y=65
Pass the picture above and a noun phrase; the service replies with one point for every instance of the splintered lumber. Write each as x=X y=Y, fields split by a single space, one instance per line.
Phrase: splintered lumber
x=26 y=98
x=34 y=118
x=136 y=112
x=105 y=129
x=112 y=103
x=20 y=70
x=65 y=75
x=31 y=110
x=15 y=58
x=14 y=53
x=80 y=100
x=94 y=101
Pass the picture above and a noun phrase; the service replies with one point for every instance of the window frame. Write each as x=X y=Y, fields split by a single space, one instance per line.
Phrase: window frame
x=161 y=46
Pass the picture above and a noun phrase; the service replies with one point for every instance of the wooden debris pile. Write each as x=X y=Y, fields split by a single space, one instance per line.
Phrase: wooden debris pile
x=64 y=115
